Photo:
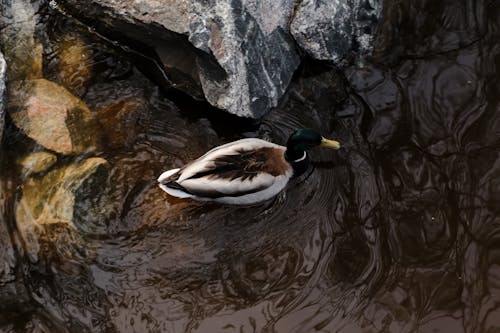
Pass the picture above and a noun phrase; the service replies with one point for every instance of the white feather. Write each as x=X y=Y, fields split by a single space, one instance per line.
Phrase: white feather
x=167 y=174
x=268 y=185
x=176 y=193
x=228 y=187
x=278 y=185
x=205 y=162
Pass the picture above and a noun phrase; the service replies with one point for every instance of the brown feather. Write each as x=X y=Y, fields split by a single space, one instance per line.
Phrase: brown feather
x=246 y=164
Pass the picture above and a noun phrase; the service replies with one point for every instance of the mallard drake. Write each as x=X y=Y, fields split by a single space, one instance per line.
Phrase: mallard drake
x=244 y=172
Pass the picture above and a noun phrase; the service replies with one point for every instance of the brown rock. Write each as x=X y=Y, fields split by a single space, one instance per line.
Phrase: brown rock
x=118 y=120
x=50 y=200
x=37 y=162
x=52 y=116
x=75 y=64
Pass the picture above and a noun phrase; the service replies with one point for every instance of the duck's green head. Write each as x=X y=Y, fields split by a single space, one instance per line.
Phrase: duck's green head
x=304 y=139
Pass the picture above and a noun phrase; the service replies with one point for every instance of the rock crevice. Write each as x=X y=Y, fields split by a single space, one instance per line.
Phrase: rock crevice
x=238 y=54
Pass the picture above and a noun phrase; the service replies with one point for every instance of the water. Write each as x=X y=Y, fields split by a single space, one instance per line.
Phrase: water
x=397 y=232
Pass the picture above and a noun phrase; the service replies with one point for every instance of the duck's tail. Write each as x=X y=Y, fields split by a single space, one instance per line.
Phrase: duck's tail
x=164 y=182
x=167 y=174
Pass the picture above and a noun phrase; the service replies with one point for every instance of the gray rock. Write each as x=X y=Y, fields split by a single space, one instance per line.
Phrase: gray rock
x=7 y=252
x=250 y=41
x=3 y=68
x=336 y=30
x=239 y=52
x=22 y=50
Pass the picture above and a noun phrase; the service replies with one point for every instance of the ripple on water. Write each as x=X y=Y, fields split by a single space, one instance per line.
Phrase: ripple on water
x=396 y=232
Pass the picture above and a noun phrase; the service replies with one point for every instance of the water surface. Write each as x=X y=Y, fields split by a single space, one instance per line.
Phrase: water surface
x=397 y=232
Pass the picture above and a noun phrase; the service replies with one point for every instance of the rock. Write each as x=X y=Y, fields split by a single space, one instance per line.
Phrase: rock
x=7 y=252
x=118 y=107
x=75 y=63
x=3 y=69
x=239 y=52
x=118 y=120
x=52 y=116
x=37 y=162
x=47 y=205
x=19 y=43
x=336 y=30
x=250 y=41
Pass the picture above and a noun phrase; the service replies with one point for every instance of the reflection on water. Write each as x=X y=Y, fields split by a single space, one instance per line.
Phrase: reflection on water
x=397 y=232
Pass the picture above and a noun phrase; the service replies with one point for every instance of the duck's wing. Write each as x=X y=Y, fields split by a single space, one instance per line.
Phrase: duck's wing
x=239 y=168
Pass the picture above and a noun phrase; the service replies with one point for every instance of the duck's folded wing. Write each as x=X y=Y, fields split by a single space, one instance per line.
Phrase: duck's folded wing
x=245 y=167
x=213 y=158
x=223 y=187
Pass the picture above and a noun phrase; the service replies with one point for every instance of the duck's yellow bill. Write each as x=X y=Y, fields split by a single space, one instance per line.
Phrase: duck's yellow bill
x=332 y=144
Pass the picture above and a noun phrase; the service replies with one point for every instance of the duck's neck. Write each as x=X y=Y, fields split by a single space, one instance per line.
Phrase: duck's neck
x=298 y=159
x=294 y=155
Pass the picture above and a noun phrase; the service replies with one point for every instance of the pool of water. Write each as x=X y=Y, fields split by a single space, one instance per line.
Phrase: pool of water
x=399 y=231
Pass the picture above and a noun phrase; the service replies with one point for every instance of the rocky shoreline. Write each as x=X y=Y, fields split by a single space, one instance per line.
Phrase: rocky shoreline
x=240 y=54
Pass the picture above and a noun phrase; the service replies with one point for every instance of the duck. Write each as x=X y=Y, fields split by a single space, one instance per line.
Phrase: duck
x=244 y=172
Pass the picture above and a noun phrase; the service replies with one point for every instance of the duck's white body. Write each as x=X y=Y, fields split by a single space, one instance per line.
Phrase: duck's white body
x=242 y=172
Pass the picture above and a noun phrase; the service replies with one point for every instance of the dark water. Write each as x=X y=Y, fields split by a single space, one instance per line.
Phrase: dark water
x=397 y=232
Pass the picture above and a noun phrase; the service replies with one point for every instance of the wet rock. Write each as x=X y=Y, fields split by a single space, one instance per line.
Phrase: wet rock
x=75 y=63
x=52 y=116
x=251 y=43
x=37 y=162
x=23 y=51
x=3 y=68
x=336 y=30
x=118 y=120
x=118 y=106
x=13 y=293
x=47 y=207
x=7 y=256
x=239 y=52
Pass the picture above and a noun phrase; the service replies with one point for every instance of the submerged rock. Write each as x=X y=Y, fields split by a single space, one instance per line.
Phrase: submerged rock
x=7 y=253
x=13 y=293
x=240 y=53
x=23 y=51
x=52 y=116
x=75 y=63
x=48 y=203
x=334 y=30
x=118 y=120
x=37 y=162
x=3 y=69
